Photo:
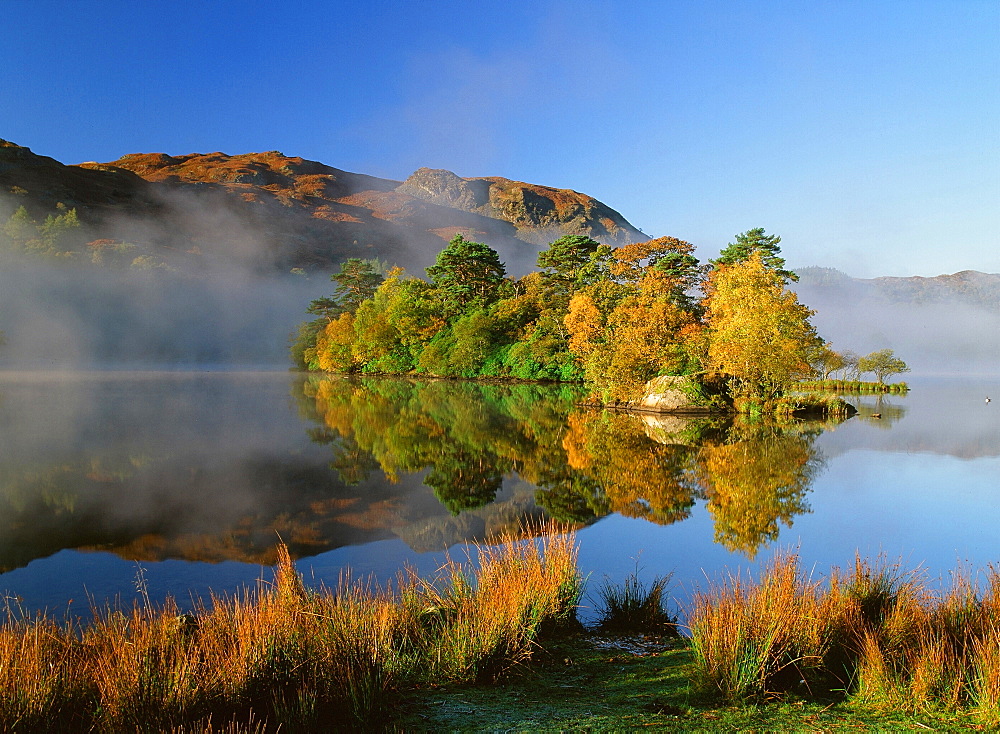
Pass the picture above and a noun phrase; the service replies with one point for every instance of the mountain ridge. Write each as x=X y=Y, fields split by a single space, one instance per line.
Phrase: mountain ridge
x=297 y=213
x=968 y=287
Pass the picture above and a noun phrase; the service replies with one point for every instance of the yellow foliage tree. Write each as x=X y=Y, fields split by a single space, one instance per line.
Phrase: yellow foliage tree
x=333 y=345
x=760 y=336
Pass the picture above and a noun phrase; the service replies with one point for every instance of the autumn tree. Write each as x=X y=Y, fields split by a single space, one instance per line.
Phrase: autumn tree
x=393 y=327
x=640 y=322
x=826 y=361
x=671 y=258
x=333 y=350
x=850 y=368
x=883 y=363
x=760 y=336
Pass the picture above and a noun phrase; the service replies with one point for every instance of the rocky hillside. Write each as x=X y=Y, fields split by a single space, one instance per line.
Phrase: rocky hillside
x=540 y=214
x=272 y=211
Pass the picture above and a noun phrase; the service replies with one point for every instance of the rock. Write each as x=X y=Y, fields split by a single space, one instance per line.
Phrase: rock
x=672 y=394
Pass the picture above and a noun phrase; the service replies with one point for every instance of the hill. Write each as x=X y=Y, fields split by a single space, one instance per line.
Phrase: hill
x=969 y=287
x=277 y=212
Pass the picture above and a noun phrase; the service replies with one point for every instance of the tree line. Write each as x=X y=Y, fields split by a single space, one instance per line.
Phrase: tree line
x=60 y=237
x=611 y=317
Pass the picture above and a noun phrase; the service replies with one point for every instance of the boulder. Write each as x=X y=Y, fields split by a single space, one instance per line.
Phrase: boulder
x=673 y=394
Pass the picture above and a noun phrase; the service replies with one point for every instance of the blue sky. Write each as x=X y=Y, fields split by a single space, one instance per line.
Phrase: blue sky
x=866 y=134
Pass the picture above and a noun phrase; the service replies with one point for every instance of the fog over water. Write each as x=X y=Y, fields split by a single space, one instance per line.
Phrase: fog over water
x=76 y=318
x=944 y=337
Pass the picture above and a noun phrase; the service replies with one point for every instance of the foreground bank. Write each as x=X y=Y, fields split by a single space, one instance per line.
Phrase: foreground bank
x=493 y=642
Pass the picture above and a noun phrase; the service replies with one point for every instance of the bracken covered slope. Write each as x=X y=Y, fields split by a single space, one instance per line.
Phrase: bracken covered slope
x=270 y=210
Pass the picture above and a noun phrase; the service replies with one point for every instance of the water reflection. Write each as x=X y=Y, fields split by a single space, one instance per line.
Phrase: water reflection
x=585 y=464
x=218 y=467
x=372 y=474
x=757 y=480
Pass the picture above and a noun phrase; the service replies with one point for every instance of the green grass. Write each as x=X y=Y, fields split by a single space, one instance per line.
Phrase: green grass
x=579 y=684
x=857 y=387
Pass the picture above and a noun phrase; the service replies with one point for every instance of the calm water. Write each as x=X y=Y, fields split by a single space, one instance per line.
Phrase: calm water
x=182 y=483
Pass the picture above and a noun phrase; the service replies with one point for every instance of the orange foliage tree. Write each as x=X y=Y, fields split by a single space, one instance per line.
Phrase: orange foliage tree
x=638 y=323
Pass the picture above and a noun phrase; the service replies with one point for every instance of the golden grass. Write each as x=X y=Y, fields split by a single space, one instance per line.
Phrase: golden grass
x=877 y=634
x=284 y=655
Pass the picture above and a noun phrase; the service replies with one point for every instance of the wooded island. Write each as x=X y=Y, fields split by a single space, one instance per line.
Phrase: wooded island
x=613 y=318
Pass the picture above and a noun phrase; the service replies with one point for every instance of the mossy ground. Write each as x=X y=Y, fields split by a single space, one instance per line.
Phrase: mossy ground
x=588 y=683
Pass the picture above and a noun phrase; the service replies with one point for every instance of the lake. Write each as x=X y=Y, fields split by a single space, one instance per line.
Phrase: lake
x=117 y=485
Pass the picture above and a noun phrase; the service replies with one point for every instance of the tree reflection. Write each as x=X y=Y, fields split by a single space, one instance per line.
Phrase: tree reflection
x=463 y=480
x=638 y=476
x=585 y=463
x=468 y=436
x=490 y=457
x=756 y=480
x=881 y=412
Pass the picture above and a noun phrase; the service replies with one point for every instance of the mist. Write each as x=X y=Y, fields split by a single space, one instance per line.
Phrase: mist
x=213 y=289
x=945 y=336
x=81 y=318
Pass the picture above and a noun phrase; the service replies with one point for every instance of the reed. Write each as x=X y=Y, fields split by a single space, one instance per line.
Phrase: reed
x=856 y=387
x=751 y=639
x=876 y=634
x=284 y=655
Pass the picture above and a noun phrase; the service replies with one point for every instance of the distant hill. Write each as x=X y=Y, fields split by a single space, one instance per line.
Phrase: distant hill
x=968 y=287
x=273 y=211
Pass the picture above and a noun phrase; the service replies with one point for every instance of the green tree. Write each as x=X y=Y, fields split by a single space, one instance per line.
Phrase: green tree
x=20 y=228
x=751 y=241
x=56 y=231
x=356 y=282
x=883 y=364
x=570 y=262
x=467 y=275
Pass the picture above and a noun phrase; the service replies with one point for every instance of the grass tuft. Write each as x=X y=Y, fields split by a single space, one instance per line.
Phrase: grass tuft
x=877 y=635
x=632 y=607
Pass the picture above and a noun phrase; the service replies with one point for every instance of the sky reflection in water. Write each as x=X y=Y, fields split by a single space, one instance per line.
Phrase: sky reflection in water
x=193 y=478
